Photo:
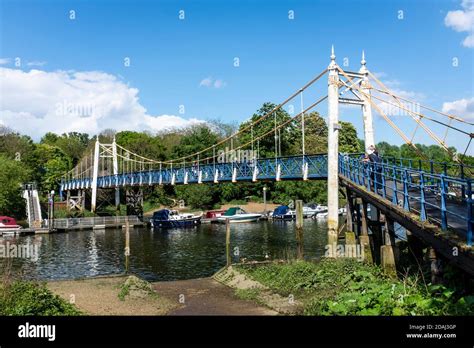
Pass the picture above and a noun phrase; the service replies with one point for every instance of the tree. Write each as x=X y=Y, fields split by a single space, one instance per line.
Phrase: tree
x=52 y=163
x=73 y=144
x=266 y=145
x=348 y=141
x=316 y=135
x=195 y=139
x=196 y=196
x=12 y=176
x=142 y=144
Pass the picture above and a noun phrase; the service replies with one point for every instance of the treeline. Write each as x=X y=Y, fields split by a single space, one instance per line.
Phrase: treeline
x=45 y=162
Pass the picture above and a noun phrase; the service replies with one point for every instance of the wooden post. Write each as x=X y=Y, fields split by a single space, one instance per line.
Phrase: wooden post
x=364 y=234
x=227 y=242
x=387 y=251
x=349 y=211
x=436 y=267
x=299 y=229
x=377 y=237
x=127 y=245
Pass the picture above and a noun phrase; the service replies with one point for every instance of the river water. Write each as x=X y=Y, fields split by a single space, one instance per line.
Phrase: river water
x=161 y=255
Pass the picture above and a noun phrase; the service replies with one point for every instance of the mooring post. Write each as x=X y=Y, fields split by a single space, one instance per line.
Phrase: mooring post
x=349 y=211
x=299 y=229
x=333 y=150
x=364 y=235
x=387 y=251
x=227 y=242
x=127 y=244
x=436 y=267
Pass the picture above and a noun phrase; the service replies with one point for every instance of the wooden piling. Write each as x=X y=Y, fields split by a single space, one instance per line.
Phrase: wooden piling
x=436 y=267
x=387 y=250
x=299 y=229
x=349 y=211
x=364 y=234
x=227 y=242
x=127 y=245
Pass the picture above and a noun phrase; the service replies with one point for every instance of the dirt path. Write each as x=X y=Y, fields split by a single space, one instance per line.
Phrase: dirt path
x=99 y=296
x=206 y=296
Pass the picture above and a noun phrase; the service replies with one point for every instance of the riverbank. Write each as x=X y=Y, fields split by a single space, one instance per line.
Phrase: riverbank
x=342 y=287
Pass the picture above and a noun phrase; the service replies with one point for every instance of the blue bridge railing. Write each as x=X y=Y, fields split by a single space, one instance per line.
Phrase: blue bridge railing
x=281 y=168
x=444 y=200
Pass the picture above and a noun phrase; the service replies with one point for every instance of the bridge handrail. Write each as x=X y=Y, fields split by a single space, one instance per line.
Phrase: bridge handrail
x=413 y=186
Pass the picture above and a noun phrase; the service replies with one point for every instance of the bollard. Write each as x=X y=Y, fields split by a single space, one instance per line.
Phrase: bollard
x=227 y=242
x=299 y=229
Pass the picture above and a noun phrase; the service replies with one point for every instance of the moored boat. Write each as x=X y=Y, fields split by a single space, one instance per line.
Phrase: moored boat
x=312 y=209
x=8 y=223
x=283 y=212
x=212 y=216
x=237 y=214
x=166 y=218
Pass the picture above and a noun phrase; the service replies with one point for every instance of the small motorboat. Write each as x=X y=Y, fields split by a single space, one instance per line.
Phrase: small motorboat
x=312 y=209
x=283 y=212
x=166 y=218
x=237 y=214
x=212 y=215
x=8 y=223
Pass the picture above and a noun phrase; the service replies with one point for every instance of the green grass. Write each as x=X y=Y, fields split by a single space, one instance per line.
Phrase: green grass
x=251 y=294
x=32 y=298
x=349 y=287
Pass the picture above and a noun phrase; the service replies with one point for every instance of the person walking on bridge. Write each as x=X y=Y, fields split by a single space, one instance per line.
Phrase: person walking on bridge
x=375 y=161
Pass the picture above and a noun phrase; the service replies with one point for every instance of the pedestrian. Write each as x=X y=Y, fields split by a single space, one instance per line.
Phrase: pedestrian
x=376 y=161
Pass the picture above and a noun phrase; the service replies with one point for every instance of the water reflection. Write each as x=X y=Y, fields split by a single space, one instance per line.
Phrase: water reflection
x=164 y=255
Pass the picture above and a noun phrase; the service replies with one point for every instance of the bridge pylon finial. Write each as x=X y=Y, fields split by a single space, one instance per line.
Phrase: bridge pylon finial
x=363 y=62
x=332 y=65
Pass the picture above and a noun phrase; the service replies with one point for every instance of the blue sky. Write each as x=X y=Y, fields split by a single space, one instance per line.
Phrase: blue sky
x=169 y=57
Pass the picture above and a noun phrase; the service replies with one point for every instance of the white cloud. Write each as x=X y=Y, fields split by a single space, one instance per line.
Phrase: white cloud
x=4 y=61
x=207 y=82
x=36 y=63
x=37 y=102
x=463 y=21
x=464 y=108
x=211 y=82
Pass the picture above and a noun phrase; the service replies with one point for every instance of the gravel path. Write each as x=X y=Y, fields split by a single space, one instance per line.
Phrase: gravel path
x=206 y=296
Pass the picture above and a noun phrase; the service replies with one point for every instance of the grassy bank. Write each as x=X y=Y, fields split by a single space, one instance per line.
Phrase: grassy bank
x=349 y=287
x=32 y=298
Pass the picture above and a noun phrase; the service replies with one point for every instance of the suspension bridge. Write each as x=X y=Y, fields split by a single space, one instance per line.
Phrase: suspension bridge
x=432 y=201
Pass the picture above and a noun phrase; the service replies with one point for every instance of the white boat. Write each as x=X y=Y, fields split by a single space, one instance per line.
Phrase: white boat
x=8 y=224
x=313 y=209
x=237 y=214
x=322 y=215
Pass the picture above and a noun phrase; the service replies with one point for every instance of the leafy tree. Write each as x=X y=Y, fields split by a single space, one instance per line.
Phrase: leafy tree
x=266 y=145
x=12 y=176
x=348 y=141
x=141 y=143
x=194 y=139
x=73 y=144
x=196 y=196
x=316 y=135
x=51 y=165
